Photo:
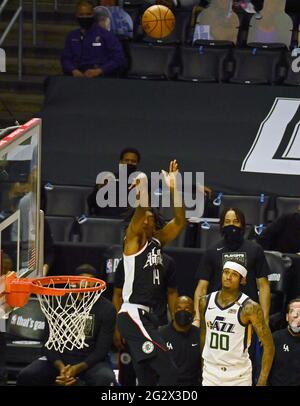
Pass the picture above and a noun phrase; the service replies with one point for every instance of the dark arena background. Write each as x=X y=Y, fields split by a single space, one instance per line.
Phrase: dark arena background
x=220 y=95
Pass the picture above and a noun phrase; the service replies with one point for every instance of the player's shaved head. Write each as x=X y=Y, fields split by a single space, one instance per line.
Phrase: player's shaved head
x=184 y=300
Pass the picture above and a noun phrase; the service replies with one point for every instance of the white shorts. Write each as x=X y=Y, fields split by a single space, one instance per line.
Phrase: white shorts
x=215 y=375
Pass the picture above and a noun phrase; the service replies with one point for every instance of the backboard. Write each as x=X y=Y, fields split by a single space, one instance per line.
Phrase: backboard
x=20 y=246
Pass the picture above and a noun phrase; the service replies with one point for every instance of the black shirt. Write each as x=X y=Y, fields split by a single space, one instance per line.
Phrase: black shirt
x=99 y=331
x=282 y=235
x=249 y=254
x=167 y=281
x=185 y=351
x=286 y=365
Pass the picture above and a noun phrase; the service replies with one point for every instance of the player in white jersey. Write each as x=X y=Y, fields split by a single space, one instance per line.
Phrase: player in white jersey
x=227 y=318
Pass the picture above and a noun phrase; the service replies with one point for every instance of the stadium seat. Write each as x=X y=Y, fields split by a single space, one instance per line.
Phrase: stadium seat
x=257 y=65
x=254 y=207
x=292 y=78
x=205 y=61
x=286 y=205
x=60 y=227
x=208 y=237
x=24 y=337
x=279 y=279
x=148 y=61
x=101 y=231
x=187 y=237
x=66 y=200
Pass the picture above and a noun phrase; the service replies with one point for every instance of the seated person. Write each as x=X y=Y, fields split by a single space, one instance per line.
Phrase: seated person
x=88 y=365
x=182 y=340
x=91 y=51
x=114 y=18
x=286 y=366
x=129 y=157
x=282 y=234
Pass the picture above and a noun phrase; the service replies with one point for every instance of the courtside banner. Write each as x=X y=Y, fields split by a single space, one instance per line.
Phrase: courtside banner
x=246 y=139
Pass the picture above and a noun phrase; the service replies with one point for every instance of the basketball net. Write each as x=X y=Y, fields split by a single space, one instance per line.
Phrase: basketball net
x=68 y=317
x=66 y=302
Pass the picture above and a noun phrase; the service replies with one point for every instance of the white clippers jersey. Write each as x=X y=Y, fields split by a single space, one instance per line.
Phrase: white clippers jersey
x=227 y=339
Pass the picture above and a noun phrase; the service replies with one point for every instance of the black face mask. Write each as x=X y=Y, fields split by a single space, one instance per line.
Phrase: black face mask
x=85 y=22
x=183 y=318
x=233 y=236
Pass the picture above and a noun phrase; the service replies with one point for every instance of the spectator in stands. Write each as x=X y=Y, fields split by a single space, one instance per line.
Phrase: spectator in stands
x=129 y=157
x=282 y=234
x=114 y=18
x=91 y=51
x=234 y=247
x=182 y=340
x=286 y=366
x=87 y=366
x=165 y=302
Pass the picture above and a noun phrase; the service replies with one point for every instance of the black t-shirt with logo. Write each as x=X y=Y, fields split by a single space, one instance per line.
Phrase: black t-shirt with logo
x=185 y=351
x=249 y=254
x=286 y=365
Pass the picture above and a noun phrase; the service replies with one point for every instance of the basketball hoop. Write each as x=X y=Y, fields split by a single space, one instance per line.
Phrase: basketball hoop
x=66 y=301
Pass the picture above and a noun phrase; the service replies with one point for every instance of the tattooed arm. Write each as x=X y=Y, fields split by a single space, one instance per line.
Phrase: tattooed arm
x=202 y=305
x=252 y=313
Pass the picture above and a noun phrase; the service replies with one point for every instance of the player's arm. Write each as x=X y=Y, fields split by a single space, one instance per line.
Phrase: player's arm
x=135 y=229
x=264 y=296
x=172 y=295
x=252 y=313
x=173 y=228
x=201 y=290
x=117 y=299
x=202 y=307
x=117 y=302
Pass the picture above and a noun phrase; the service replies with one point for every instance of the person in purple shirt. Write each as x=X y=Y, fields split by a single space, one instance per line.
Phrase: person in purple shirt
x=91 y=51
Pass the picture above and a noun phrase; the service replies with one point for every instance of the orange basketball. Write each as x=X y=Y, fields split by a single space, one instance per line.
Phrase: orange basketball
x=158 y=21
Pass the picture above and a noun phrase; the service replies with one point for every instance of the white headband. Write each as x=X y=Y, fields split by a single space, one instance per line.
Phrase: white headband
x=236 y=267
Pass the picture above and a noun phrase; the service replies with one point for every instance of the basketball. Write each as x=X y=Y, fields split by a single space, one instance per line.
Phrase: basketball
x=158 y=21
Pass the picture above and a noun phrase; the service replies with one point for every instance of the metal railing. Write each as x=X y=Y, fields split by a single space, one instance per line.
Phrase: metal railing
x=34 y=19
x=18 y=15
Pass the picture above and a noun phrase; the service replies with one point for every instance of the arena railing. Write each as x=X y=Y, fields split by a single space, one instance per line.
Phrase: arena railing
x=18 y=15
x=34 y=19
